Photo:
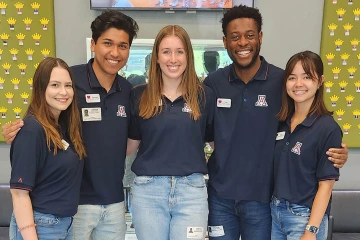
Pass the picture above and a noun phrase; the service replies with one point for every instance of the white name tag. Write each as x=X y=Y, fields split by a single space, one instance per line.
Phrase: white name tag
x=195 y=232
x=91 y=114
x=280 y=135
x=223 y=102
x=216 y=231
x=65 y=144
x=92 y=98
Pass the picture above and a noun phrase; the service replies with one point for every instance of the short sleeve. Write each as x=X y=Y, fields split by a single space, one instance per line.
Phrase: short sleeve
x=134 y=130
x=27 y=154
x=330 y=139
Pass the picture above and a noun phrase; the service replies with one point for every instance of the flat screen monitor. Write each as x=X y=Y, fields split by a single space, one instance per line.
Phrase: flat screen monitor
x=167 y=4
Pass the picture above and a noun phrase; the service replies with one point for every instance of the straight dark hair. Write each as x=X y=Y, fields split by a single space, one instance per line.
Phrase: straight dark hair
x=314 y=68
x=114 y=19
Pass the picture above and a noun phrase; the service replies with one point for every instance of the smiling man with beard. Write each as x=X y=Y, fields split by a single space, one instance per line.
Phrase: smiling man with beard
x=248 y=94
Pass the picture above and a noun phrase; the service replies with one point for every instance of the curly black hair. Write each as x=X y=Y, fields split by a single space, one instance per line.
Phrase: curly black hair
x=114 y=19
x=241 y=11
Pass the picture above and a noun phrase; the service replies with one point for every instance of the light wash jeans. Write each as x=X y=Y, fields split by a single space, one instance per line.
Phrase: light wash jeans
x=48 y=227
x=170 y=207
x=100 y=222
x=289 y=221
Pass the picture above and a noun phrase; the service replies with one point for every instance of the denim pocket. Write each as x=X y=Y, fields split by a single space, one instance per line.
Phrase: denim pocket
x=42 y=219
x=142 y=180
x=299 y=210
x=195 y=180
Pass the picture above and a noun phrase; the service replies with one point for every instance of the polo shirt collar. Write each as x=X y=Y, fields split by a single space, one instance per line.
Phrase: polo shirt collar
x=308 y=121
x=261 y=74
x=94 y=82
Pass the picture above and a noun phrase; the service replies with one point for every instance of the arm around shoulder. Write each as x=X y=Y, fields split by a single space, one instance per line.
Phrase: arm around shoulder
x=10 y=130
x=338 y=155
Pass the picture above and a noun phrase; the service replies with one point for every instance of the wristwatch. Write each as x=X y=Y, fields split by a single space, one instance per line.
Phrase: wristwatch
x=312 y=229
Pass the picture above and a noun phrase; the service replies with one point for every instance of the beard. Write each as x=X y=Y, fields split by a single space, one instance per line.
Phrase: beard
x=250 y=64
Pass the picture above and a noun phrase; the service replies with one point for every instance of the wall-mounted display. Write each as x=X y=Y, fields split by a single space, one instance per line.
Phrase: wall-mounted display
x=341 y=56
x=167 y=4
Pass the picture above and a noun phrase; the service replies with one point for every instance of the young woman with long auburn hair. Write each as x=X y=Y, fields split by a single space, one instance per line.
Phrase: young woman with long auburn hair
x=45 y=156
x=170 y=117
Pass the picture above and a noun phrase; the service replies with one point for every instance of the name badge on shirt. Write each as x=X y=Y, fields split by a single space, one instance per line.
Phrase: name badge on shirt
x=280 y=135
x=92 y=98
x=65 y=144
x=91 y=114
x=223 y=102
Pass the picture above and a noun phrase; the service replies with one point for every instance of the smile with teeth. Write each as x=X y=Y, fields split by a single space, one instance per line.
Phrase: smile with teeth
x=113 y=61
x=173 y=68
x=300 y=92
x=62 y=100
x=243 y=53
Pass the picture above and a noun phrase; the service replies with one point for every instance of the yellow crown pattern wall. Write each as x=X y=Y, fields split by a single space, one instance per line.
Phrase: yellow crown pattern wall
x=340 y=52
x=27 y=36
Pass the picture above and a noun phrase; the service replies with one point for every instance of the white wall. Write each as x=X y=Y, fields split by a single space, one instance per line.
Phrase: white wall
x=289 y=26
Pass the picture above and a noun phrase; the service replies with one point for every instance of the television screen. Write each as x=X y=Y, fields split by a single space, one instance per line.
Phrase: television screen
x=168 y=4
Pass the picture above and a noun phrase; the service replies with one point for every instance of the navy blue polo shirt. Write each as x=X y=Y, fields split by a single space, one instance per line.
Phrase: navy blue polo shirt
x=53 y=181
x=104 y=140
x=241 y=166
x=300 y=159
x=172 y=143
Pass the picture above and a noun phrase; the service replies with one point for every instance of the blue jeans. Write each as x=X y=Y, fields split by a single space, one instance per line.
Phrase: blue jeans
x=289 y=221
x=166 y=207
x=48 y=227
x=100 y=222
x=228 y=219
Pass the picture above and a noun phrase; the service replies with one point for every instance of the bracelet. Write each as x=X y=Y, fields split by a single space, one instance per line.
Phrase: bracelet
x=28 y=226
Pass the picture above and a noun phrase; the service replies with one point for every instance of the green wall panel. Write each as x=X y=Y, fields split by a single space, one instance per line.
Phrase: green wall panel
x=27 y=35
x=340 y=52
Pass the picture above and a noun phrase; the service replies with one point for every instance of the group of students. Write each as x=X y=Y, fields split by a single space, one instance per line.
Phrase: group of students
x=269 y=175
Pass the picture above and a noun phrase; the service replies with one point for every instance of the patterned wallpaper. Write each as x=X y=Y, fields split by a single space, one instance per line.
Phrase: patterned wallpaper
x=340 y=52
x=27 y=36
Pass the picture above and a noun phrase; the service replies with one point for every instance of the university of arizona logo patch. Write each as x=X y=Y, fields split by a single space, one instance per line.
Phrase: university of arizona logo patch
x=261 y=102
x=121 y=111
x=296 y=148
x=186 y=108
